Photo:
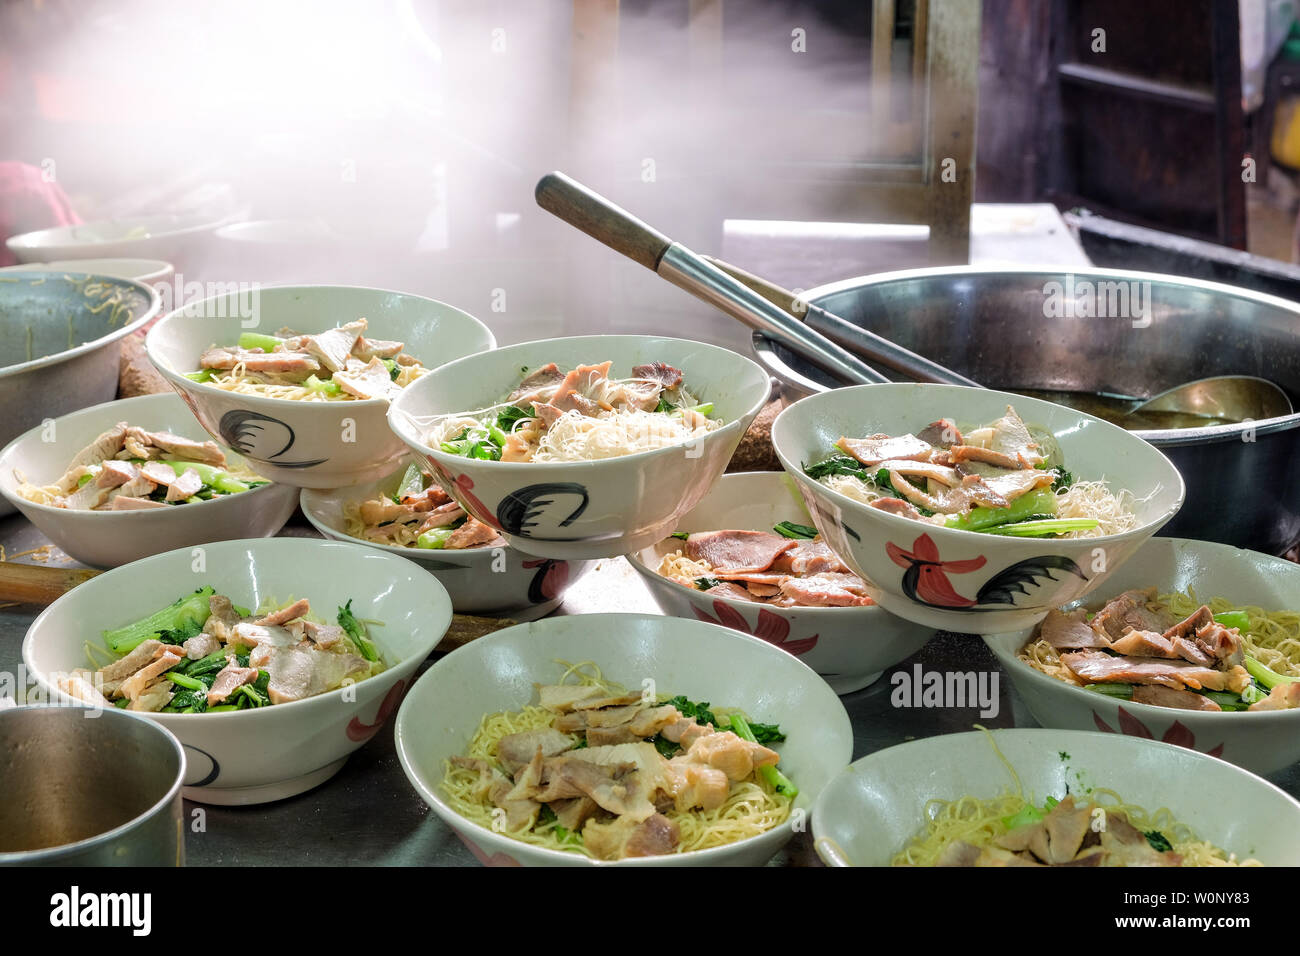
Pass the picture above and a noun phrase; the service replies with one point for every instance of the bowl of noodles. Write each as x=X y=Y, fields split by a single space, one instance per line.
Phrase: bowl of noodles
x=990 y=799
x=33 y=464
x=972 y=510
x=1177 y=576
x=583 y=447
x=572 y=686
x=482 y=574
x=298 y=379
x=803 y=602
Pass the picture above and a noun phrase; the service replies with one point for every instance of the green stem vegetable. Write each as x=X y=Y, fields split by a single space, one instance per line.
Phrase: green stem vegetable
x=775 y=778
x=1122 y=691
x=255 y=340
x=1041 y=501
x=1268 y=678
x=216 y=478
x=347 y=620
x=184 y=612
x=1042 y=528
x=434 y=539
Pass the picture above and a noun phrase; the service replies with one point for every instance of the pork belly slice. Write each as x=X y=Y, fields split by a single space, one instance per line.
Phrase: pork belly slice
x=1096 y=667
x=134 y=685
x=662 y=374
x=729 y=589
x=184 y=486
x=104 y=447
x=623 y=838
x=178 y=446
x=561 y=698
x=514 y=751
x=472 y=534
x=1150 y=644
x=874 y=449
x=1129 y=610
x=538 y=386
x=737 y=551
x=298 y=672
x=367 y=381
x=1070 y=631
x=324 y=636
x=1011 y=437
x=297 y=609
x=941 y=434
x=366 y=349
x=229 y=679
x=333 y=346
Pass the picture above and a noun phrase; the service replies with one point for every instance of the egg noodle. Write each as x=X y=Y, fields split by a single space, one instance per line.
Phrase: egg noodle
x=401 y=534
x=1273 y=640
x=682 y=569
x=751 y=806
x=238 y=380
x=979 y=822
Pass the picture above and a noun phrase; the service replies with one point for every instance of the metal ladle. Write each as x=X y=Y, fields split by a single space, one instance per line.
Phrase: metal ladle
x=1223 y=398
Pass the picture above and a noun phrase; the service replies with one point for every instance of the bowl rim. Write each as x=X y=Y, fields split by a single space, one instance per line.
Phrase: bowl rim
x=149 y=293
x=1147 y=528
x=1011 y=662
x=181 y=382
x=441 y=604
x=766 y=348
x=654 y=578
x=430 y=795
x=403 y=423
x=199 y=222
x=155 y=270
x=18 y=501
x=51 y=854
x=975 y=736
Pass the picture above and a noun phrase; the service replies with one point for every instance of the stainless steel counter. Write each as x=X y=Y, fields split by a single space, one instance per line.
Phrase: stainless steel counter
x=368 y=814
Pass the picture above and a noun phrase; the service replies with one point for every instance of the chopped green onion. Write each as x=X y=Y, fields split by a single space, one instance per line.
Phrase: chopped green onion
x=788 y=529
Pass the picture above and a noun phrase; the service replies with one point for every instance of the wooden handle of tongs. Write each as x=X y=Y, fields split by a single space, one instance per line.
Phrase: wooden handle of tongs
x=33 y=584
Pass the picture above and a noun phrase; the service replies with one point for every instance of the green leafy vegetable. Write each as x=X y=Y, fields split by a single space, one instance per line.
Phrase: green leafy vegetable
x=703 y=584
x=1064 y=479
x=357 y=632
x=1158 y=841
x=837 y=465
x=774 y=777
x=1027 y=815
x=510 y=416
x=788 y=529
x=179 y=614
x=681 y=534
x=699 y=711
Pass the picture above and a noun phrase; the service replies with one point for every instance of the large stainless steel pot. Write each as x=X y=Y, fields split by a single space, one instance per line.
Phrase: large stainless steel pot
x=89 y=787
x=1011 y=329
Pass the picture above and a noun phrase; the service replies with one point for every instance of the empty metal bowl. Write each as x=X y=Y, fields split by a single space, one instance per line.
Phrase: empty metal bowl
x=1105 y=331
x=60 y=343
x=88 y=786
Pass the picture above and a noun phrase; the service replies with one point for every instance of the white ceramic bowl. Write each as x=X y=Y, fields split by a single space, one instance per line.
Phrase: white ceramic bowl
x=106 y=539
x=308 y=444
x=254 y=756
x=480 y=580
x=702 y=661
x=1002 y=583
x=589 y=509
x=148 y=271
x=1263 y=742
x=850 y=647
x=869 y=812
x=143 y=237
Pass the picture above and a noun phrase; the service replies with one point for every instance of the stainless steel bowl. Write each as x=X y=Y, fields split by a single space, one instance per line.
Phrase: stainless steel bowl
x=60 y=343
x=89 y=787
x=1004 y=329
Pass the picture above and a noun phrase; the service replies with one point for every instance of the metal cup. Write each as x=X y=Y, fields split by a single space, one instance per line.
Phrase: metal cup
x=89 y=786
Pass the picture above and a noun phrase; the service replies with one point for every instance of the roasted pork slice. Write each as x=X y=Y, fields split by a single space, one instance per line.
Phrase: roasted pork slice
x=324 y=636
x=88 y=497
x=153 y=698
x=367 y=381
x=1130 y=610
x=737 y=551
x=928 y=470
x=520 y=809
x=178 y=446
x=729 y=589
x=135 y=685
x=1169 y=697
x=138 y=657
x=297 y=609
x=538 y=386
x=1015 y=484
x=80 y=683
x=896 y=506
x=516 y=750
x=222 y=617
x=608 y=700
x=1056 y=838
x=298 y=672
x=201 y=645
x=229 y=679
x=129 y=503
x=828 y=589
x=566 y=778
x=1096 y=667
x=1126 y=845
x=1071 y=631
x=963 y=453
x=561 y=698
x=333 y=346
x=941 y=434
x=256 y=636
x=115 y=473
x=472 y=534
x=809 y=557
x=875 y=449
x=184 y=486
x=624 y=838
x=104 y=447
x=1011 y=437
x=294 y=366
x=366 y=349
x=662 y=374
x=574 y=812
x=1189 y=625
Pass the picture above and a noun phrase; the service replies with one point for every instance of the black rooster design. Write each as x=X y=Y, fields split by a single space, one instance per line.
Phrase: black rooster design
x=547 y=506
x=260 y=437
x=925 y=578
